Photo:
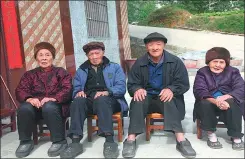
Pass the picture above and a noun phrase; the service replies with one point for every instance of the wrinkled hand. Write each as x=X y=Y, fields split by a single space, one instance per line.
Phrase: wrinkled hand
x=46 y=99
x=103 y=93
x=140 y=95
x=222 y=98
x=166 y=95
x=35 y=102
x=223 y=105
x=81 y=94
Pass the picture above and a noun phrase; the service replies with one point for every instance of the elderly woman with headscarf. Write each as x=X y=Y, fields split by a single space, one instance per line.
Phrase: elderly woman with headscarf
x=219 y=91
x=43 y=92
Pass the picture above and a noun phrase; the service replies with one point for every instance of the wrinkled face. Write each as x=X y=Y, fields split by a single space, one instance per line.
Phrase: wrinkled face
x=217 y=65
x=44 y=58
x=155 y=48
x=95 y=56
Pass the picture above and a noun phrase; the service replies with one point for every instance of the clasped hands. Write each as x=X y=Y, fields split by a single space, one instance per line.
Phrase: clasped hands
x=221 y=103
x=165 y=95
x=37 y=103
x=82 y=94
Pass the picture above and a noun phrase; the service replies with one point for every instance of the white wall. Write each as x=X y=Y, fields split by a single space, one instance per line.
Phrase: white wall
x=80 y=37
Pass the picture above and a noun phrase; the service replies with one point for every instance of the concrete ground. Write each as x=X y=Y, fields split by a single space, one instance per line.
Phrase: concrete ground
x=161 y=145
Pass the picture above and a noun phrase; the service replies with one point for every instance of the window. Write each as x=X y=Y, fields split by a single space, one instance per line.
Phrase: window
x=97 y=18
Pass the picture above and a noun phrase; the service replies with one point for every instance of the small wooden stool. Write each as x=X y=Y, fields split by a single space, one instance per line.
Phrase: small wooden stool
x=150 y=124
x=117 y=117
x=199 y=130
x=41 y=125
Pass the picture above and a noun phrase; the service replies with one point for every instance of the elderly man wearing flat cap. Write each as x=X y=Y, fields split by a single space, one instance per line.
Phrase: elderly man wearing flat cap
x=99 y=87
x=157 y=82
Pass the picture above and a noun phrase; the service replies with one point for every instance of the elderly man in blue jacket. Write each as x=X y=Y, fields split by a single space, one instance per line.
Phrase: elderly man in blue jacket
x=99 y=87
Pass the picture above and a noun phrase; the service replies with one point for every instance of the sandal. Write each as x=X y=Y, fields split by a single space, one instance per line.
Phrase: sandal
x=237 y=146
x=214 y=145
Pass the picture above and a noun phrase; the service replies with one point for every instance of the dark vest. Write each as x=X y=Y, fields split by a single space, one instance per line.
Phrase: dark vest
x=95 y=81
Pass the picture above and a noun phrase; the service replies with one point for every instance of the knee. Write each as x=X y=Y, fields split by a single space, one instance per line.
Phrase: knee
x=232 y=103
x=233 y=106
x=205 y=105
x=138 y=103
x=102 y=101
x=25 y=108
x=78 y=103
x=171 y=102
x=138 y=107
x=49 y=107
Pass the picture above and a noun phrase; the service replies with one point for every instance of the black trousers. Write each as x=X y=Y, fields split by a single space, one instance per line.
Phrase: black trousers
x=153 y=104
x=232 y=117
x=103 y=106
x=51 y=112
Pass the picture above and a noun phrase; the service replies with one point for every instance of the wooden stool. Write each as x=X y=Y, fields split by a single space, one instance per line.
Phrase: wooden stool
x=199 y=130
x=42 y=126
x=117 y=118
x=150 y=119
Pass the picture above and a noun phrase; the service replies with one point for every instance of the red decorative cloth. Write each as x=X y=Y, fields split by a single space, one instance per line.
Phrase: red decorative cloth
x=11 y=34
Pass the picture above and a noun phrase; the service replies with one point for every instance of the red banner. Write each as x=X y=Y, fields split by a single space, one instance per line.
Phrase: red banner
x=11 y=34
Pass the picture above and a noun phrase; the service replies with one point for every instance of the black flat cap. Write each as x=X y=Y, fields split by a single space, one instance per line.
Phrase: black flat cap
x=155 y=36
x=93 y=45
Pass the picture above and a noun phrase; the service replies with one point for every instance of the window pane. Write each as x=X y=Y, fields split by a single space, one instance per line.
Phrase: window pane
x=97 y=18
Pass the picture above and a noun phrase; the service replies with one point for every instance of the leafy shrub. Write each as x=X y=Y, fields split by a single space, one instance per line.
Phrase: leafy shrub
x=228 y=23
x=221 y=13
x=168 y=16
x=139 y=10
x=231 y=23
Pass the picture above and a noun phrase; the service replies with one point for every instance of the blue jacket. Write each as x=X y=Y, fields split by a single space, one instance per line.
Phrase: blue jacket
x=114 y=77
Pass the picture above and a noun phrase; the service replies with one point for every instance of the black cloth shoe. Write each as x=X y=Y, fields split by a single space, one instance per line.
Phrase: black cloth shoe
x=110 y=150
x=129 y=149
x=56 y=148
x=214 y=145
x=237 y=146
x=185 y=148
x=24 y=150
x=73 y=150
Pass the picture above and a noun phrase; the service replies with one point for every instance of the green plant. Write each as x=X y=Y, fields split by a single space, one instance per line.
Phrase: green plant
x=168 y=16
x=139 y=10
x=197 y=22
x=227 y=23
x=231 y=23
x=221 y=13
x=205 y=6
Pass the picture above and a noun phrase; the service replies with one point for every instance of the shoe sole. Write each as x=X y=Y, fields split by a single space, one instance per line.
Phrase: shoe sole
x=240 y=149
x=71 y=156
x=22 y=155
x=185 y=155
x=57 y=153
x=113 y=155
x=215 y=147
x=128 y=156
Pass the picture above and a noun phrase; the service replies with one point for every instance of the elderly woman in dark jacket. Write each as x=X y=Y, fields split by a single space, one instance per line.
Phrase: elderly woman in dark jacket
x=219 y=91
x=44 y=92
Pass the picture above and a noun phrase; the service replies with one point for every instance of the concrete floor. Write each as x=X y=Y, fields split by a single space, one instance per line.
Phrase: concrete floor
x=161 y=145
